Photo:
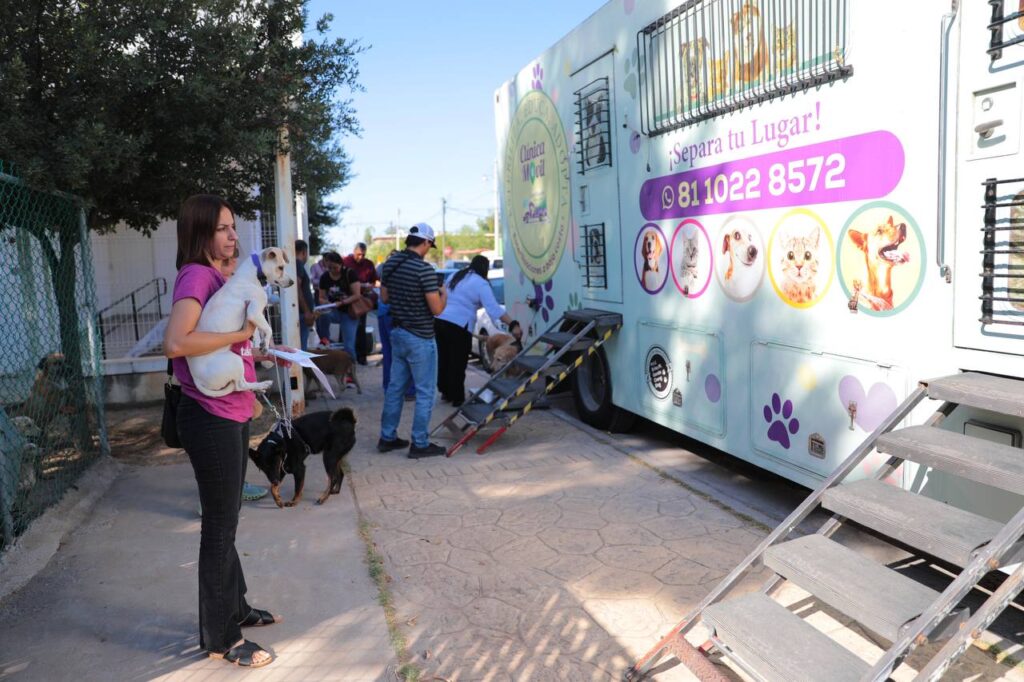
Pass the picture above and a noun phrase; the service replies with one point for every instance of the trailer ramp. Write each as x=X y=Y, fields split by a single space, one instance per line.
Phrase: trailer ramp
x=769 y=642
x=513 y=391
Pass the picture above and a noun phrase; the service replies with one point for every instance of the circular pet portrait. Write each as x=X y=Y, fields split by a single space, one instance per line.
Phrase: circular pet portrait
x=881 y=259
x=650 y=255
x=691 y=258
x=800 y=258
x=740 y=258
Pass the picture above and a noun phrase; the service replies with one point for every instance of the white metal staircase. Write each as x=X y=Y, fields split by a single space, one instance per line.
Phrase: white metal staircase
x=769 y=642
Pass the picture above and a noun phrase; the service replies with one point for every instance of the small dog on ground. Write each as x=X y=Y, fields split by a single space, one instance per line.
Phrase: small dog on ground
x=241 y=299
x=338 y=364
x=281 y=453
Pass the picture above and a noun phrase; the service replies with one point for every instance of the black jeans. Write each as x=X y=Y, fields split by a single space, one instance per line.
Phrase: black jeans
x=361 y=349
x=453 y=346
x=218 y=449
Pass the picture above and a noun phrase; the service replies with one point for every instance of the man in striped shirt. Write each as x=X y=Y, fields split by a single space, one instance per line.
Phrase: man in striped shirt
x=415 y=294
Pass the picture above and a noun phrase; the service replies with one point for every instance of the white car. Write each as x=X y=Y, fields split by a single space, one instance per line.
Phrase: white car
x=485 y=326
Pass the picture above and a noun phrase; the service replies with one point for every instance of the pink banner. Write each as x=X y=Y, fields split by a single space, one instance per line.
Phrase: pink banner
x=866 y=166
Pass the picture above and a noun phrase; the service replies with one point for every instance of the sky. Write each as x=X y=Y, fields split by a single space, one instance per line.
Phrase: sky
x=427 y=114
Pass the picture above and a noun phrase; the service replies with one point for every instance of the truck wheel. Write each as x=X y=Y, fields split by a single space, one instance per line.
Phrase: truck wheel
x=592 y=394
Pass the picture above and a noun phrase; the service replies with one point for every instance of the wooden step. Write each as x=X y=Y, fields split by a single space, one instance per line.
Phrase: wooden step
x=937 y=529
x=779 y=645
x=984 y=391
x=979 y=460
x=875 y=596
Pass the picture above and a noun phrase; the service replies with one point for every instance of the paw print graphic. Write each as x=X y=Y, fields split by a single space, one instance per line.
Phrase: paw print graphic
x=782 y=424
x=538 y=77
x=543 y=300
x=632 y=80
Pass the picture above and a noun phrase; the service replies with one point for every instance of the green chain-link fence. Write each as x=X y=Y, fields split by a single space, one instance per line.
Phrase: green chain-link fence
x=51 y=396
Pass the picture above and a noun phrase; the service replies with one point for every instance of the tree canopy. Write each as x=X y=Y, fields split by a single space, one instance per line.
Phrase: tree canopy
x=134 y=106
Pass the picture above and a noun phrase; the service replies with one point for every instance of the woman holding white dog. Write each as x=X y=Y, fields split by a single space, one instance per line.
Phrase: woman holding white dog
x=214 y=431
x=468 y=291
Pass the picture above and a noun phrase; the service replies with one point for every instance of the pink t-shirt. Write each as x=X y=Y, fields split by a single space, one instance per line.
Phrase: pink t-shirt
x=201 y=282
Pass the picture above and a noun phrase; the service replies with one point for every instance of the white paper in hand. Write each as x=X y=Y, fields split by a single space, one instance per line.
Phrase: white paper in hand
x=304 y=359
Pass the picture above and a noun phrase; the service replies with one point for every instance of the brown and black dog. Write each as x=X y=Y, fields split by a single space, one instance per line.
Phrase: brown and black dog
x=281 y=453
x=338 y=364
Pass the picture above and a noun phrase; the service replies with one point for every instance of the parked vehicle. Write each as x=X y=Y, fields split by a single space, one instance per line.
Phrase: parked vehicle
x=795 y=229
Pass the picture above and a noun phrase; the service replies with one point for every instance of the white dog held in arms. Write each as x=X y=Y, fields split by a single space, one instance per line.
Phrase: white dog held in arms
x=241 y=298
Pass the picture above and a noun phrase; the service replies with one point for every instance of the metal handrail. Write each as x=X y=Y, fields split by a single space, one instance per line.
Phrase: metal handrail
x=161 y=284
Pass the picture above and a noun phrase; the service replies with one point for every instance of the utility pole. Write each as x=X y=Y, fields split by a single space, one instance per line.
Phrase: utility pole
x=444 y=213
x=284 y=201
x=398 y=229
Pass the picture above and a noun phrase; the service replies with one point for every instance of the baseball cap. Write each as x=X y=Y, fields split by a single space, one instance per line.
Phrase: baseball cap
x=423 y=231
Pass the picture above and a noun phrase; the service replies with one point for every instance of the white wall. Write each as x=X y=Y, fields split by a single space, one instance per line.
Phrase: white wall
x=127 y=259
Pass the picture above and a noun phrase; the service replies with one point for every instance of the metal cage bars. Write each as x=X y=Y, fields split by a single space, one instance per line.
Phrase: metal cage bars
x=710 y=57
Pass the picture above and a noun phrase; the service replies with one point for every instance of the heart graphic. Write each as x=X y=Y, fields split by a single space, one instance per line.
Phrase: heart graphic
x=873 y=407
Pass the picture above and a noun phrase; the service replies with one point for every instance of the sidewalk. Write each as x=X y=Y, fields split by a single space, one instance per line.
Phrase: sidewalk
x=118 y=600
x=561 y=554
x=554 y=556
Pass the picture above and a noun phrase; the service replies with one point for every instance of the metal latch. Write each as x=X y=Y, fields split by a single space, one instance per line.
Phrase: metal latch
x=985 y=129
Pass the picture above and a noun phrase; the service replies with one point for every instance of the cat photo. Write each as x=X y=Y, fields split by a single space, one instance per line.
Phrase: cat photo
x=691 y=258
x=799 y=261
x=688 y=267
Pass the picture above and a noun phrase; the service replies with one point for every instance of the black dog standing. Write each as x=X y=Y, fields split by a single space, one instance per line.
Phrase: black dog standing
x=282 y=453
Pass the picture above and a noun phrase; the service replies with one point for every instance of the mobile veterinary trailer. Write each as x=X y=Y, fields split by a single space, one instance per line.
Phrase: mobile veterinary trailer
x=800 y=208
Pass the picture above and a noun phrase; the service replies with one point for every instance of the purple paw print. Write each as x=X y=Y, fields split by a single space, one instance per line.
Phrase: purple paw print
x=544 y=301
x=780 y=429
x=538 y=77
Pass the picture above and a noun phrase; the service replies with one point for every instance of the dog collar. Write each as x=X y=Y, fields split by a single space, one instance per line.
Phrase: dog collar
x=256 y=261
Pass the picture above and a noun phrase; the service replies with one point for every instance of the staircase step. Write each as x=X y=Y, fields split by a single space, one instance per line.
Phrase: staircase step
x=979 y=460
x=476 y=412
x=875 y=596
x=532 y=363
x=983 y=391
x=778 y=644
x=560 y=339
x=938 y=529
x=603 y=318
x=506 y=387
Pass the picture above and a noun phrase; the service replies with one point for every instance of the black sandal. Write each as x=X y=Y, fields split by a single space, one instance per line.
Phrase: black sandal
x=259 y=618
x=242 y=654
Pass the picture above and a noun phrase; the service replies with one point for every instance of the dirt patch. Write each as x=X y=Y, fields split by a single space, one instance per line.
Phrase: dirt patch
x=134 y=435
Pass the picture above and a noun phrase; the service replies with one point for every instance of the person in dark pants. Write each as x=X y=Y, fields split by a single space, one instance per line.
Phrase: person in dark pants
x=366 y=274
x=307 y=301
x=214 y=431
x=469 y=290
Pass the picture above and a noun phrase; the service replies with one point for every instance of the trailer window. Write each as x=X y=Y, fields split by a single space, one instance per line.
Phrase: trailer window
x=709 y=57
x=593 y=265
x=593 y=126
